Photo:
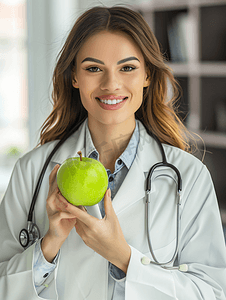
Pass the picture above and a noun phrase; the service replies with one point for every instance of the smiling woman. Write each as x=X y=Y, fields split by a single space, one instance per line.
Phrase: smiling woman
x=126 y=43
x=111 y=103
x=111 y=82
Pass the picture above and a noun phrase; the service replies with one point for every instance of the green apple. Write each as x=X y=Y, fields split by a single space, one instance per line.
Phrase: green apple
x=82 y=180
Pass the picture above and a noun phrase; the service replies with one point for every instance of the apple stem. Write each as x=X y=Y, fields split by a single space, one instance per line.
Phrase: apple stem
x=80 y=153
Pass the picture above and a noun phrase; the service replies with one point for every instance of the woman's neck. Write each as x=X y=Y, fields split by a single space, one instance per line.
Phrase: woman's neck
x=111 y=140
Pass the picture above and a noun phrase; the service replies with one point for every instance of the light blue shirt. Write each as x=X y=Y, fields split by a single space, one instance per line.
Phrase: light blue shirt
x=42 y=268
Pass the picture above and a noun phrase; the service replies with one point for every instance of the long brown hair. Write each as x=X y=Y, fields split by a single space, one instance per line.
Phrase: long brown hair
x=156 y=113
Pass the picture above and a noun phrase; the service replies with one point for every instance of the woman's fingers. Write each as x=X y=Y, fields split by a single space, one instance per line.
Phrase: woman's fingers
x=56 y=201
x=66 y=203
x=53 y=173
x=55 y=204
x=57 y=217
x=52 y=201
x=81 y=214
x=52 y=176
x=52 y=180
x=82 y=207
x=61 y=221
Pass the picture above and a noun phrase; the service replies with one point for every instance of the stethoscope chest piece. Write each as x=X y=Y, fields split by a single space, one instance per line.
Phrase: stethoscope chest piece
x=30 y=235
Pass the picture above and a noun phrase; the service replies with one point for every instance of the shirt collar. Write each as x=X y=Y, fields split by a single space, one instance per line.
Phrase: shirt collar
x=127 y=156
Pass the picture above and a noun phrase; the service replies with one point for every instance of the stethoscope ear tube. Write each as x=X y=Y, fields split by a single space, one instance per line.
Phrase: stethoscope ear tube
x=164 y=164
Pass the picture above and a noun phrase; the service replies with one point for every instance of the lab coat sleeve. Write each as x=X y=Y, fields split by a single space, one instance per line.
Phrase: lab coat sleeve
x=201 y=247
x=42 y=269
x=16 y=264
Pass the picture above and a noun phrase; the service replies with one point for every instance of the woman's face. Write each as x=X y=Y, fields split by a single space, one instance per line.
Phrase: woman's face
x=111 y=77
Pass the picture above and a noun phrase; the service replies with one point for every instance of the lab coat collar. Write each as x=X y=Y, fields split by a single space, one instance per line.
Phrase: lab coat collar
x=134 y=185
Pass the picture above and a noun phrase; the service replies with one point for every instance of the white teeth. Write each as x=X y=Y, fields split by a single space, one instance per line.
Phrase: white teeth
x=111 y=102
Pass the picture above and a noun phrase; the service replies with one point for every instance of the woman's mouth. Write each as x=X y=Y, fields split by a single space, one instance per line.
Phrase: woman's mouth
x=111 y=104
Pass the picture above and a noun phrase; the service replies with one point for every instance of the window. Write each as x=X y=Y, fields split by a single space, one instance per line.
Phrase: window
x=13 y=87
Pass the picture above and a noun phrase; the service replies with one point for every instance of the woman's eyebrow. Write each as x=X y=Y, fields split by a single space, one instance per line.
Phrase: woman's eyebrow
x=101 y=62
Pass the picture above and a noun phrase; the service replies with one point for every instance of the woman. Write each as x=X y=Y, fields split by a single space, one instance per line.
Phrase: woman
x=102 y=252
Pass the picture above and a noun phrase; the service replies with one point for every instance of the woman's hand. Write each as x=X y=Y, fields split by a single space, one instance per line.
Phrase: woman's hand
x=104 y=236
x=61 y=221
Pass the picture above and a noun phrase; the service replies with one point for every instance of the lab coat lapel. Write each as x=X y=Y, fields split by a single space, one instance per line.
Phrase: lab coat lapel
x=134 y=185
x=130 y=202
x=71 y=146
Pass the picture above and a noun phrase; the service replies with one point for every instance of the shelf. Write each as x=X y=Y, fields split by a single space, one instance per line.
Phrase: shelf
x=161 y=5
x=180 y=69
x=207 y=2
x=212 y=69
x=176 y=4
x=223 y=216
x=213 y=139
x=198 y=69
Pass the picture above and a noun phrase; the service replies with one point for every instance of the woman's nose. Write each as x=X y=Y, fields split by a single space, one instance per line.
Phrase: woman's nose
x=111 y=81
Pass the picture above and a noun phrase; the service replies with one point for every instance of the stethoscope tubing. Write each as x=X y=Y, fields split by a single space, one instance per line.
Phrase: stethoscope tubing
x=156 y=262
x=38 y=185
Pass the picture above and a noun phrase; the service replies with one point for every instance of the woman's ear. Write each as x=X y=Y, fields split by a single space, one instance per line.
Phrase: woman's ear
x=74 y=83
x=147 y=81
x=148 y=76
x=73 y=77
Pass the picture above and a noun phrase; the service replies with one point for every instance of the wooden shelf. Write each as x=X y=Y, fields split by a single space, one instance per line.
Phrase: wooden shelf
x=213 y=139
x=156 y=5
x=198 y=69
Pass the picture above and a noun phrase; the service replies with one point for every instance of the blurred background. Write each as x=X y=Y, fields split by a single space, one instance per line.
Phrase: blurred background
x=191 y=34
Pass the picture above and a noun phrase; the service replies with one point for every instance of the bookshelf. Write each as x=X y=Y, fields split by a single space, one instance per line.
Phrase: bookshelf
x=192 y=36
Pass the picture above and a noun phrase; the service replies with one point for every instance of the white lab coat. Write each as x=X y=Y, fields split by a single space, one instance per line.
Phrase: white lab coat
x=81 y=273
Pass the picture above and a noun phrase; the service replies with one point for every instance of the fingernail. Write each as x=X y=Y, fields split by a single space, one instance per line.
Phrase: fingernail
x=109 y=192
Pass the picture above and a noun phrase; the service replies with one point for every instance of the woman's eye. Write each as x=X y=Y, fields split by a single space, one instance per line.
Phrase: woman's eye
x=133 y=68
x=88 y=69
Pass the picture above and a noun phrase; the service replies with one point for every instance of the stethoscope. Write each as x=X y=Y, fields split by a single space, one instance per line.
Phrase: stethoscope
x=30 y=235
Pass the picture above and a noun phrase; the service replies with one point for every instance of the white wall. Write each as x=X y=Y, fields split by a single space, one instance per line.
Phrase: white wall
x=48 y=25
